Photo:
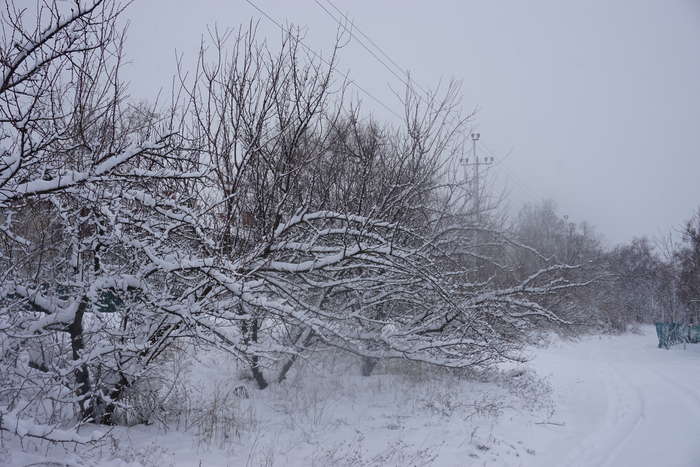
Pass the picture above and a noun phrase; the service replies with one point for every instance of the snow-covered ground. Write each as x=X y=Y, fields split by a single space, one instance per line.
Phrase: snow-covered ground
x=622 y=402
x=598 y=401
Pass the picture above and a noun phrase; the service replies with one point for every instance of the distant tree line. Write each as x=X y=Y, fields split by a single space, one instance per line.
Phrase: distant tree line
x=642 y=281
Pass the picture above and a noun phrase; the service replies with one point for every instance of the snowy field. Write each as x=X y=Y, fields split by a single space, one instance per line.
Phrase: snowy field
x=598 y=401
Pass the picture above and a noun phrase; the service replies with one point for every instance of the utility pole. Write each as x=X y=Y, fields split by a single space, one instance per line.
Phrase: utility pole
x=476 y=163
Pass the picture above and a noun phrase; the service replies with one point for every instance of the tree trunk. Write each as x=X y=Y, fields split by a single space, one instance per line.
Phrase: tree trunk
x=306 y=336
x=82 y=373
x=368 y=364
x=257 y=373
x=250 y=333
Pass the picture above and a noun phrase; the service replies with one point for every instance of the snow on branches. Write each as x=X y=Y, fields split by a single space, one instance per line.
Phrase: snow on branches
x=263 y=217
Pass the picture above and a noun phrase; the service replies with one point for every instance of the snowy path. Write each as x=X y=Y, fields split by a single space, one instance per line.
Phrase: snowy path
x=621 y=402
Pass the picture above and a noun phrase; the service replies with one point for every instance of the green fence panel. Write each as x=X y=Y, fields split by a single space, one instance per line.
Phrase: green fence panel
x=694 y=334
x=675 y=333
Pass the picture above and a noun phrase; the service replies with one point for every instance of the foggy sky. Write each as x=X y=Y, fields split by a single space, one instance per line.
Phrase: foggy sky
x=596 y=103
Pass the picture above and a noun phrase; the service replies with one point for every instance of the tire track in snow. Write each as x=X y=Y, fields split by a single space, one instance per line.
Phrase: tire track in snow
x=620 y=421
x=625 y=405
x=639 y=415
x=645 y=380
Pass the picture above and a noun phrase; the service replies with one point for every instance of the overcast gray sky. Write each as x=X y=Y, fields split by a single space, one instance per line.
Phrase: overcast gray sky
x=597 y=101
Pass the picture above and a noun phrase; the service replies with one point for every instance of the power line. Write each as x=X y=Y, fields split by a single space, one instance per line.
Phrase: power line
x=320 y=57
x=373 y=43
x=491 y=153
x=476 y=162
x=349 y=31
x=524 y=186
x=518 y=181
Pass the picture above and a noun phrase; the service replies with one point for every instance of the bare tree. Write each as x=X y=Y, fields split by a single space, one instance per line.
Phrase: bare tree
x=688 y=259
x=68 y=144
x=311 y=230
